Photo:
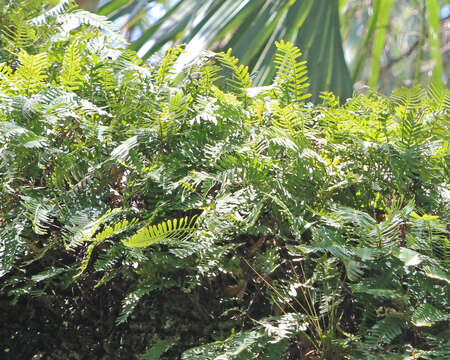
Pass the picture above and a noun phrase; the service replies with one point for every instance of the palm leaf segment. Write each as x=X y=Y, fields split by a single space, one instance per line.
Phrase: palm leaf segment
x=311 y=25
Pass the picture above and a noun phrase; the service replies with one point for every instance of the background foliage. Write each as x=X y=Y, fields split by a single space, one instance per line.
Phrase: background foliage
x=387 y=44
x=197 y=216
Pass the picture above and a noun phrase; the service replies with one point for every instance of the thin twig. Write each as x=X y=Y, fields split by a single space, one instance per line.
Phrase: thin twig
x=393 y=61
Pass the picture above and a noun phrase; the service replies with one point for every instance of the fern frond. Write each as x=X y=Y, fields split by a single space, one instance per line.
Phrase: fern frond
x=5 y=86
x=385 y=331
x=71 y=76
x=11 y=244
x=166 y=68
x=205 y=110
x=227 y=99
x=156 y=350
x=106 y=261
x=428 y=315
x=85 y=262
x=176 y=229
x=130 y=302
x=48 y=274
x=380 y=293
x=287 y=119
x=59 y=9
x=39 y=214
x=78 y=17
x=371 y=233
x=88 y=228
x=328 y=241
x=437 y=273
x=361 y=219
x=282 y=138
x=408 y=99
x=20 y=36
x=103 y=74
x=5 y=72
x=240 y=78
x=126 y=58
x=122 y=151
x=31 y=74
x=188 y=187
x=115 y=229
x=10 y=129
x=209 y=73
x=268 y=340
x=41 y=218
x=291 y=73
x=440 y=96
x=412 y=131
x=107 y=233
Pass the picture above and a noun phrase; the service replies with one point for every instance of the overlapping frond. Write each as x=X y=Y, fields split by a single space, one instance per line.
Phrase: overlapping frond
x=291 y=73
x=31 y=74
x=240 y=77
x=169 y=230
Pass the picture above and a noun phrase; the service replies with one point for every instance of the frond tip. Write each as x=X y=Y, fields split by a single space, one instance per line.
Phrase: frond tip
x=291 y=74
x=176 y=229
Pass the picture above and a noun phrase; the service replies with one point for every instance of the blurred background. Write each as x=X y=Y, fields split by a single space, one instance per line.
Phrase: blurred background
x=348 y=44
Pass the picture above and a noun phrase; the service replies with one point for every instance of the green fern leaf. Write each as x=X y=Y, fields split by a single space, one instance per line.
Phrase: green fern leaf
x=240 y=78
x=287 y=119
x=407 y=99
x=71 y=72
x=20 y=36
x=107 y=233
x=437 y=273
x=176 y=229
x=440 y=97
x=85 y=262
x=292 y=75
x=157 y=349
x=412 y=132
x=114 y=230
x=385 y=331
x=59 y=9
x=11 y=245
x=82 y=17
x=130 y=302
x=428 y=315
x=167 y=66
x=31 y=74
x=39 y=214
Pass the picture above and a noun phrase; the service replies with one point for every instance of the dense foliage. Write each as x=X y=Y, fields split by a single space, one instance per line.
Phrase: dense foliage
x=262 y=225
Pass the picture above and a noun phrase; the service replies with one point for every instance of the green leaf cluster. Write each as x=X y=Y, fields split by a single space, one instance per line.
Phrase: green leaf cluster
x=323 y=225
